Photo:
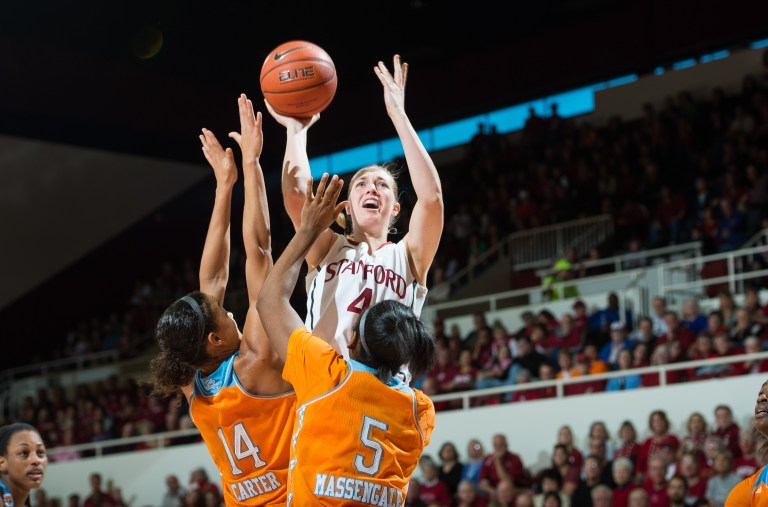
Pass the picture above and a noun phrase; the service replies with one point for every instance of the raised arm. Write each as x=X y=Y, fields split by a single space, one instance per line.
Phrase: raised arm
x=295 y=174
x=426 y=225
x=256 y=231
x=274 y=306
x=214 y=264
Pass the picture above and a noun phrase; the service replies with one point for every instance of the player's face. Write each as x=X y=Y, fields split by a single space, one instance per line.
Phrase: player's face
x=25 y=461
x=761 y=410
x=373 y=201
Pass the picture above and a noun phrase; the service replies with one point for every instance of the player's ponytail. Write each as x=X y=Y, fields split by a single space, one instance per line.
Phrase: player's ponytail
x=391 y=336
x=181 y=333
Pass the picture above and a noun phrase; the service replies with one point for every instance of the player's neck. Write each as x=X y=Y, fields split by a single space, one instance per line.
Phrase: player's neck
x=374 y=242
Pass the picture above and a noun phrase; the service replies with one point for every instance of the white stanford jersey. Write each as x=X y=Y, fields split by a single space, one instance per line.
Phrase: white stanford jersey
x=349 y=280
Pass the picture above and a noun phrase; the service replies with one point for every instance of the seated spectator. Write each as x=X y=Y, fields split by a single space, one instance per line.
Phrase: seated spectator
x=466 y=376
x=747 y=463
x=675 y=332
x=619 y=341
x=690 y=468
x=565 y=437
x=444 y=372
x=502 y=464
x=527 y=357
x=697 y=431
x=602 y=496
x=654 y=481
x=505 y=495
x=677 y=491
x=568 y=336
x=412 y=496
x=498 y=371
x=644 y=332
x=474 y=462
x=692 y=318
x=638 y=497
x=568 y=471
x=723 y=480
x=550 y=482
x=628 y=445
x=450 y=468
x=744 y=327
x=598 y=430
x=658 y=424
x=622 y=469
x=467 y=496
x=751 y=346
x=630 y=381
x=727 y=429
x=641 y=355
x=592 y=476
x=433 y=491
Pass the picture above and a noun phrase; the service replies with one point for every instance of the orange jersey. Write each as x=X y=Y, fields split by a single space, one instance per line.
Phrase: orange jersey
x=357 y=440
x=751 y=492
x=247 y=436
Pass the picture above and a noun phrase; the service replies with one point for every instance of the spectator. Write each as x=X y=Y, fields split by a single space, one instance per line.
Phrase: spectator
x=474 y=463
x=622 y=469
x=644 y=332
x=660 y=437
x=198 y=480
x=628 y=445
x=467 y=496
x=619 y=341
x=467 y=373
x=747 y=464
x=498 y=371
x=723 y=481
x=565 y=437
x=659 y=311
x=433 y=490
x=690 y=468
x=597 y=448
x=73 y=500
x=677 y=491
x=505 y=495
x=412 y=496
x=630 y=381
x=445 y=371
x=638 y=497
x=592 y=475
x=655 y=482
x=502 y=464
x=527 y=357
x=98 y=497
x=675 y=332
x=568 y=471
x=174 y=494
x=692 y=318
x=450 y=467
x=602 y=496
x=551 y=482
x=598 y=430
x=697 y=432
x=727 y=429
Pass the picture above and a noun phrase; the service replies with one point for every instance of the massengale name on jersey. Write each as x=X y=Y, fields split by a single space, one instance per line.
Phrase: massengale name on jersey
x=358 y=490
x=381 y=275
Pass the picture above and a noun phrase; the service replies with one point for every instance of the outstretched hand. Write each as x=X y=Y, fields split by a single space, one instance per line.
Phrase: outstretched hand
x=291 y=123
x=320 y=209
x=394 y=85
x=222 y=161
x=250 y=138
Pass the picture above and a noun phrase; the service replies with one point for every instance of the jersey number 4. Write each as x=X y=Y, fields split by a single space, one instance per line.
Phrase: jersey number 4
x=361 y=302
x=369 y=424
x=243 y=448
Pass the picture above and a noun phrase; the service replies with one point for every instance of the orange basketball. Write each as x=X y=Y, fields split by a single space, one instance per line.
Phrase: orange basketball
x=298 y=79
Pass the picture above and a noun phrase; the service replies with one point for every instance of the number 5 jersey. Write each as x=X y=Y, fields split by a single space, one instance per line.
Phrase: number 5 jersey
x=357 y=440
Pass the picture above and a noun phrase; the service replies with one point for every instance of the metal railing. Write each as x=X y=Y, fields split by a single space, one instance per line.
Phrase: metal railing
x=542 y=244
x=171 y=438
x=560 y=385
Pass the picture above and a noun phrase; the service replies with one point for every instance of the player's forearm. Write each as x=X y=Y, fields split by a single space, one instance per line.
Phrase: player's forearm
x=214 y=263
x=256 y=226
x=295 y=174
x=421 y=168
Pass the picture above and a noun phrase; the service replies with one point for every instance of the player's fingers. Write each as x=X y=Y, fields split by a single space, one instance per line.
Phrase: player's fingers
x=236 y=136
x=320 y=192
x=330 y=191
x=257 y=116
x=337 y=190
x=340 y=207
x=309 y=189
x=404 y=79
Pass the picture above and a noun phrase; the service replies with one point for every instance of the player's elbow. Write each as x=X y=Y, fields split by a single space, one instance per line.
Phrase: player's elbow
x=433 y=201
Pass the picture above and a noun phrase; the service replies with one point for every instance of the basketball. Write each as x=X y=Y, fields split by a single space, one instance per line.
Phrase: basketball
x=298 y=79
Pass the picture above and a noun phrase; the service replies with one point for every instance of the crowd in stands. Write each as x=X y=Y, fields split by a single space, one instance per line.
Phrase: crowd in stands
x=695 y=467
x=200 y=491
x=585 y=342
x=694 y=169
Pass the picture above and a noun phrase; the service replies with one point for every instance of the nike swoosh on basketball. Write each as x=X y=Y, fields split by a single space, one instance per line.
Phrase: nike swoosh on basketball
x=279 y=56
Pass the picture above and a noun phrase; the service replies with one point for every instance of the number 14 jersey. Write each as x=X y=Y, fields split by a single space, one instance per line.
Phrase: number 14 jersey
x=349 y=280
